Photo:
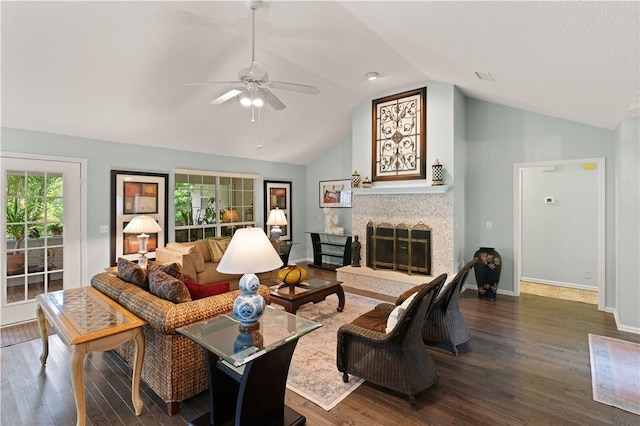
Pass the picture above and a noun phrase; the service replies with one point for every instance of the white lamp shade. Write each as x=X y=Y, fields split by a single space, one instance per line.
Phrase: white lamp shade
x=142 y=225
x=276 y=217
x=249 y=252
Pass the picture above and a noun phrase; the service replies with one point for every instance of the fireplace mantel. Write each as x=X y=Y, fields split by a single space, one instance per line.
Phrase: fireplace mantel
x=439 y=189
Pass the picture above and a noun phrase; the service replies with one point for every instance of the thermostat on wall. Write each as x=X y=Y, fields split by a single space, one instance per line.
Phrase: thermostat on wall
x=548 y=200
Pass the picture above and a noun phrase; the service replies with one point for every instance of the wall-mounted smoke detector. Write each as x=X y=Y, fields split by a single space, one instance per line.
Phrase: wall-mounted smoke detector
x=485 y=76
x=372 y=75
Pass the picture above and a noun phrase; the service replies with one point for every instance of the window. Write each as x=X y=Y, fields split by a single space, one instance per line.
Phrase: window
x=212 y=204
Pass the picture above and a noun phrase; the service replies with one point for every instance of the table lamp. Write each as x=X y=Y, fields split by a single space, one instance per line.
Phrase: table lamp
x=249 y=253
x=141 y=225
x=276 y=218
x=230 y=215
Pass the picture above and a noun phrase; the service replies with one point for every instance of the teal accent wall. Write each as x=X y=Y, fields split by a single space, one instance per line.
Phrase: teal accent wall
x=499 y=137
x=334 y=164
x=627 y=204
x=103 y=156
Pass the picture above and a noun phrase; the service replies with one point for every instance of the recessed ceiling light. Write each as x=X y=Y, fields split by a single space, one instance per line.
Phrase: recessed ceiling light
x=371 y=75
x=485 y=76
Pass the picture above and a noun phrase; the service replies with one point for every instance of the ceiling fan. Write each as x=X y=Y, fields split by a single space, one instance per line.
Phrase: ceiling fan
x=253 y=83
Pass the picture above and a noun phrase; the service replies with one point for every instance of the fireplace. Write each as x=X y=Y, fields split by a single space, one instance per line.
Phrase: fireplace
x=399 y=248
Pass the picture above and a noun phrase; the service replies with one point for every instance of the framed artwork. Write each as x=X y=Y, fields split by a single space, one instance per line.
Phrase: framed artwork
x=278 y=194
x=335 y=193
x=399 y=129
x=134 y=194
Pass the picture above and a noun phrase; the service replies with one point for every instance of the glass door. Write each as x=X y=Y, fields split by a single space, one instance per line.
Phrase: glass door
x=41 y=228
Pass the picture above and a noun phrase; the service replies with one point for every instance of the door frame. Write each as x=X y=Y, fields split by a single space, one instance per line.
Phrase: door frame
x=82 y=162
x=517 y=221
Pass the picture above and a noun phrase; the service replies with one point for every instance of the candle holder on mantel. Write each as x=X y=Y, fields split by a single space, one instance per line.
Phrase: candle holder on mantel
x=436 y=173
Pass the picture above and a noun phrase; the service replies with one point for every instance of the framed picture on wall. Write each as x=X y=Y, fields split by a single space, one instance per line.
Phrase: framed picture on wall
x=278 y=194
x=399 y=129
x=134 y=194
x=335 y=193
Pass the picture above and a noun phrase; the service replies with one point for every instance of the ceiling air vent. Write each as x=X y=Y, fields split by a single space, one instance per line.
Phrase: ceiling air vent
x=484 y=76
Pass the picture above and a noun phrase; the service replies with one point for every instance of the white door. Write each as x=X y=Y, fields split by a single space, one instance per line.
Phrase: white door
x=42 y=232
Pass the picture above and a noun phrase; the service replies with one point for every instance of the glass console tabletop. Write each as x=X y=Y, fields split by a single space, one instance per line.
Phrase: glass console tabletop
x=236 y=345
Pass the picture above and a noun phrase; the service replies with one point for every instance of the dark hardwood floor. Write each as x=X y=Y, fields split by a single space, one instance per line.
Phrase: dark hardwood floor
x=527 y=363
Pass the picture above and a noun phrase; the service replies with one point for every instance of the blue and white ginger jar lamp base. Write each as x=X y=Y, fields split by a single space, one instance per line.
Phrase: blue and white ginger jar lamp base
x=249 y=306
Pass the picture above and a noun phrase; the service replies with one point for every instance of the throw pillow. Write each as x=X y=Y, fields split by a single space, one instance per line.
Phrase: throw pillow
x=217 y=247
x=132 y=273
x=167 y=287
x=173 y=269
x=398 y=312
x=200 y=291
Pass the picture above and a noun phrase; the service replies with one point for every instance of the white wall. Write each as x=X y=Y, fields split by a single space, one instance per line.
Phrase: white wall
x=560 y=239
x=627 y=236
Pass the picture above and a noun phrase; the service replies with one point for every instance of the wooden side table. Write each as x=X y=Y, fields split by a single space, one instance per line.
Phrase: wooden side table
x=88 y=321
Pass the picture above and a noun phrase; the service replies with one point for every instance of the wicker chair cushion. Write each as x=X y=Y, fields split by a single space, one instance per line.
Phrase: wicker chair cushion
x=132 y=273
x=167 y=287
x=374 y=320
x=408 y=293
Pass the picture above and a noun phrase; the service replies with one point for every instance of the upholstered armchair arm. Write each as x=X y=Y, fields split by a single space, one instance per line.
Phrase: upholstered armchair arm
x=167 y=255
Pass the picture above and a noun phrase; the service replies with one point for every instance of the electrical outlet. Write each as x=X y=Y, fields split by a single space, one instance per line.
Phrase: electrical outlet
x=587 y=275
x=104 y=229
x=489 y=225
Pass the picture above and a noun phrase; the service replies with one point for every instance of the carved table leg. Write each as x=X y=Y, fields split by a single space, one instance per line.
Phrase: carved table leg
x=138 y=341
x=78 y=353
x=44 y=334
x=340 y=293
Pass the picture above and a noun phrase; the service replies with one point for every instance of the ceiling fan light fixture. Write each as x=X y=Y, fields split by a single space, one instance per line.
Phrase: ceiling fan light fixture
x=245 y=99
x=258 y=99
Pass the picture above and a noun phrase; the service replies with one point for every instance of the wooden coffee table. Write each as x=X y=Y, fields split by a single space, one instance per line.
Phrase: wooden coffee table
x=312 y=290
x=89 y=321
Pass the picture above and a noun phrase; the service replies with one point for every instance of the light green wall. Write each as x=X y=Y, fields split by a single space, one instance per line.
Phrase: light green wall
x=102 y=157
x=334 y=164
x=459 y=169
x=627 y=140
x=440 y=137
x=497 y=138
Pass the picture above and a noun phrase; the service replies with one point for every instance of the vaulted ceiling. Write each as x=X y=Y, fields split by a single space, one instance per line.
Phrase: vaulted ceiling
x=116 y=71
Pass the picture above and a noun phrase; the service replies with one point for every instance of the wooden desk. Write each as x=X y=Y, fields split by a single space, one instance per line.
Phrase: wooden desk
x=88 y=321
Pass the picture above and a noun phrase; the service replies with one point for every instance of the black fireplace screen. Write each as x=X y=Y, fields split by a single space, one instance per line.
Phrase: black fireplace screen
x=400 y=248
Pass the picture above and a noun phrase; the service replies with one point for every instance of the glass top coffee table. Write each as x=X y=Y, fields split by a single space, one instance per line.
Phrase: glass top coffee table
x=247 y=367
x=312 y=290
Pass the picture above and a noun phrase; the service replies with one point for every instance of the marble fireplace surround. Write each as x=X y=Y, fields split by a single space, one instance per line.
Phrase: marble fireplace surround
x=432 y=206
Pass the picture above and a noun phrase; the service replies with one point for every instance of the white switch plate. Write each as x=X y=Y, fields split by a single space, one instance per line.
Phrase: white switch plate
x=489 y=225
x=104 y=229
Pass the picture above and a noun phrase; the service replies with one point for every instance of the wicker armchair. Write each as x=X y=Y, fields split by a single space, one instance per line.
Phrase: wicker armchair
x=444 y=323
x=397 y=360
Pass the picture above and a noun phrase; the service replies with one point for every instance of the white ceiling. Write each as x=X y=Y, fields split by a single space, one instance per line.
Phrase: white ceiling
x=117 y=70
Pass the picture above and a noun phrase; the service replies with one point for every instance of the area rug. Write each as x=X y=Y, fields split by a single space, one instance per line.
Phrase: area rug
x=15 y=334
x=615 y=372
x=313 y=373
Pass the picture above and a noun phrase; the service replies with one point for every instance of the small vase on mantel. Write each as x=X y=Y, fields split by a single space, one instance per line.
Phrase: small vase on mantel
x=487 y=271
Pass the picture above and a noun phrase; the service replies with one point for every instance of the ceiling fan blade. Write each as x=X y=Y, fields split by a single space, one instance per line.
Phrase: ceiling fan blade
x=302 y=88
x=204 y=83
x=272 y=100
x=226 y=96
x=258 y=71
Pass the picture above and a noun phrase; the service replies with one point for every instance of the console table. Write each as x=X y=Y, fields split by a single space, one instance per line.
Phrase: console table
x=322 y=243
x=247 y=367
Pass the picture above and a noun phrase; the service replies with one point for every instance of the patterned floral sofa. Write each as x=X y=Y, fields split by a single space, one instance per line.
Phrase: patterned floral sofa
x=173 y=365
